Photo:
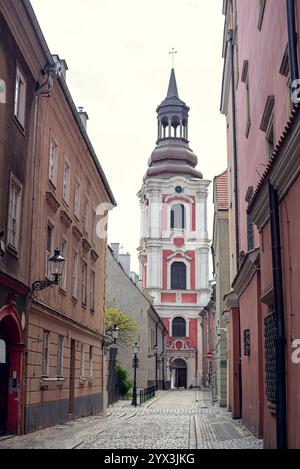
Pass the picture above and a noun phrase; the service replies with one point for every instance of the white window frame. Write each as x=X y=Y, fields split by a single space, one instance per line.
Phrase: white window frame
x=82 y=361
x=75 y=269
x=94 y=226
x=84 y=282
x=20 y=97
x=91 y=359
x=92 y=290
x=60 y=357
x=188 y=274
x=187 y=210
x=77 y=197
x=14 y=219
x=64 y=253
x=53 y=167
x=46 y=354
x=86 y=213
x=66 y=183
x=49 y=253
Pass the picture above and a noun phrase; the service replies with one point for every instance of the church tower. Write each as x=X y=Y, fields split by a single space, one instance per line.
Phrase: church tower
x=174 y=246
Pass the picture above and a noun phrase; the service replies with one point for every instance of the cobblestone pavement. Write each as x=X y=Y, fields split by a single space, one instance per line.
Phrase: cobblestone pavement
x=173 y=420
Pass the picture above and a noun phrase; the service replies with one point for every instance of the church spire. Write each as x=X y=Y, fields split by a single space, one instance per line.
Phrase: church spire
x=172 y=155
x=173 y=90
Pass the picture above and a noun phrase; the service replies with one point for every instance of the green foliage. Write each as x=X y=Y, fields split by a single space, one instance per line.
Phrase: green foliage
x=127 y=325
x=124 y=380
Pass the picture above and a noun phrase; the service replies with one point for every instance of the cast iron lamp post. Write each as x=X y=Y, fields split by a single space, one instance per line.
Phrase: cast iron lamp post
x=56 y=263
x=135 y=365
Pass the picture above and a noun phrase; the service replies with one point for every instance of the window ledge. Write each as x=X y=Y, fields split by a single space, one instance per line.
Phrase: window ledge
x=82 y=381
x=91 y=381
x=46 y=381
x=11 y=250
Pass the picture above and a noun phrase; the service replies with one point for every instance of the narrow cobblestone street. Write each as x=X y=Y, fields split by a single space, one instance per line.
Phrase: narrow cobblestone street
x=173 y=420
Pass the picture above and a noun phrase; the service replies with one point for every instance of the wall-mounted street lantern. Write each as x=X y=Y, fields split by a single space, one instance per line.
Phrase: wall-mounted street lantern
x=115 y=333
x=56 y=263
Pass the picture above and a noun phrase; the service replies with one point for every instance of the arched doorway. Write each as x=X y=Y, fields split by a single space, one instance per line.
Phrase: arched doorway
x=11 y=367
x=180 y=369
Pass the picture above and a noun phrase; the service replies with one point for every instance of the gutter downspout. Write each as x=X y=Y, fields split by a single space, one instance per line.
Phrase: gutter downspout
x=280 y=341
x=237 y=231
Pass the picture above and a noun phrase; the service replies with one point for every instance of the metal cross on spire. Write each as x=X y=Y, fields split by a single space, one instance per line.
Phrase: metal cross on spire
x=173 y=53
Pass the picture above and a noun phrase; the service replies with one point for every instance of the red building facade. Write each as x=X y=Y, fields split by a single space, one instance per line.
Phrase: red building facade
x=261 y=62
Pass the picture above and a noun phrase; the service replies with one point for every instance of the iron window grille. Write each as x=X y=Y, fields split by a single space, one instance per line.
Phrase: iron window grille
x=270 y=357
x=247 y=346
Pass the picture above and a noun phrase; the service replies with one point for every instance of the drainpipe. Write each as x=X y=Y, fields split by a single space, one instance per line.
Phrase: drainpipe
x=280 y=342
x=234 y=144
x=292 y=36
x=237 y=231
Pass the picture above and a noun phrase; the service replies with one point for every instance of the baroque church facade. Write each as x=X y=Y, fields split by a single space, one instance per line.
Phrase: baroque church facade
x=174 y=246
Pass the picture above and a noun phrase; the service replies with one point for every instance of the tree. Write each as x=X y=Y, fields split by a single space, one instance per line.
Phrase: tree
x=128 y=327
x=124 y=381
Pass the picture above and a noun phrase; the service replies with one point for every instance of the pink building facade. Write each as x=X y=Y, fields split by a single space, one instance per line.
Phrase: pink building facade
x=261 y=61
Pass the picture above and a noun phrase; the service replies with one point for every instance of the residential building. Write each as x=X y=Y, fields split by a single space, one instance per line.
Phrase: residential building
x=123 y=294
x=174 y=246
x=208 y=325
x=261 y=62
x=220 y=250
x=52 y=184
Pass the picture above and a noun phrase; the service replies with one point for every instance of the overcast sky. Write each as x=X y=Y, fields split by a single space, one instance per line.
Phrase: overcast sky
x=119 y=68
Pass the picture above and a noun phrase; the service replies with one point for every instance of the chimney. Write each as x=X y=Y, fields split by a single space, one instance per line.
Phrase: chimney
x=63 y=64
x=83 y=116
x=115 y=247
x=125 y=260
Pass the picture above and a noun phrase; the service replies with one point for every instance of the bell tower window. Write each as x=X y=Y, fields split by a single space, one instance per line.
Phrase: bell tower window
x=178 y=217
x=178 y=276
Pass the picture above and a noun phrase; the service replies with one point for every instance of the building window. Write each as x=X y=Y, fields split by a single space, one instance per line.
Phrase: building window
x=77 y=200
x=82 y=357
x=247 y=346
x=3 y=354
x=285 y=72
x=91 y=353
x=267 y=125
x=75 y=275
x=20 y=98
x=270 y=357
x=14 y=213
x=261 y=11
x=49 y=246
x=94 y=227
x=92 y=299
x=85 y=213
x=179 y=328
x=60 y=356
x=178 y=217
x=46 y=354
x=84 y=283
x=250 y=233
x=53 y=162
x=245 y=79
x=178 y=276
x=64 y=253
x=66 y=182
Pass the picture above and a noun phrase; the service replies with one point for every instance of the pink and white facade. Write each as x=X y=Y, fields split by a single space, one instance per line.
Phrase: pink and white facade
x=174 y=247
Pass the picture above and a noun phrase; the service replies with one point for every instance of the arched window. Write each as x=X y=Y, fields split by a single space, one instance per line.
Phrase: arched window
x=178 y=217
x=178 y=276
x=179 y=328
